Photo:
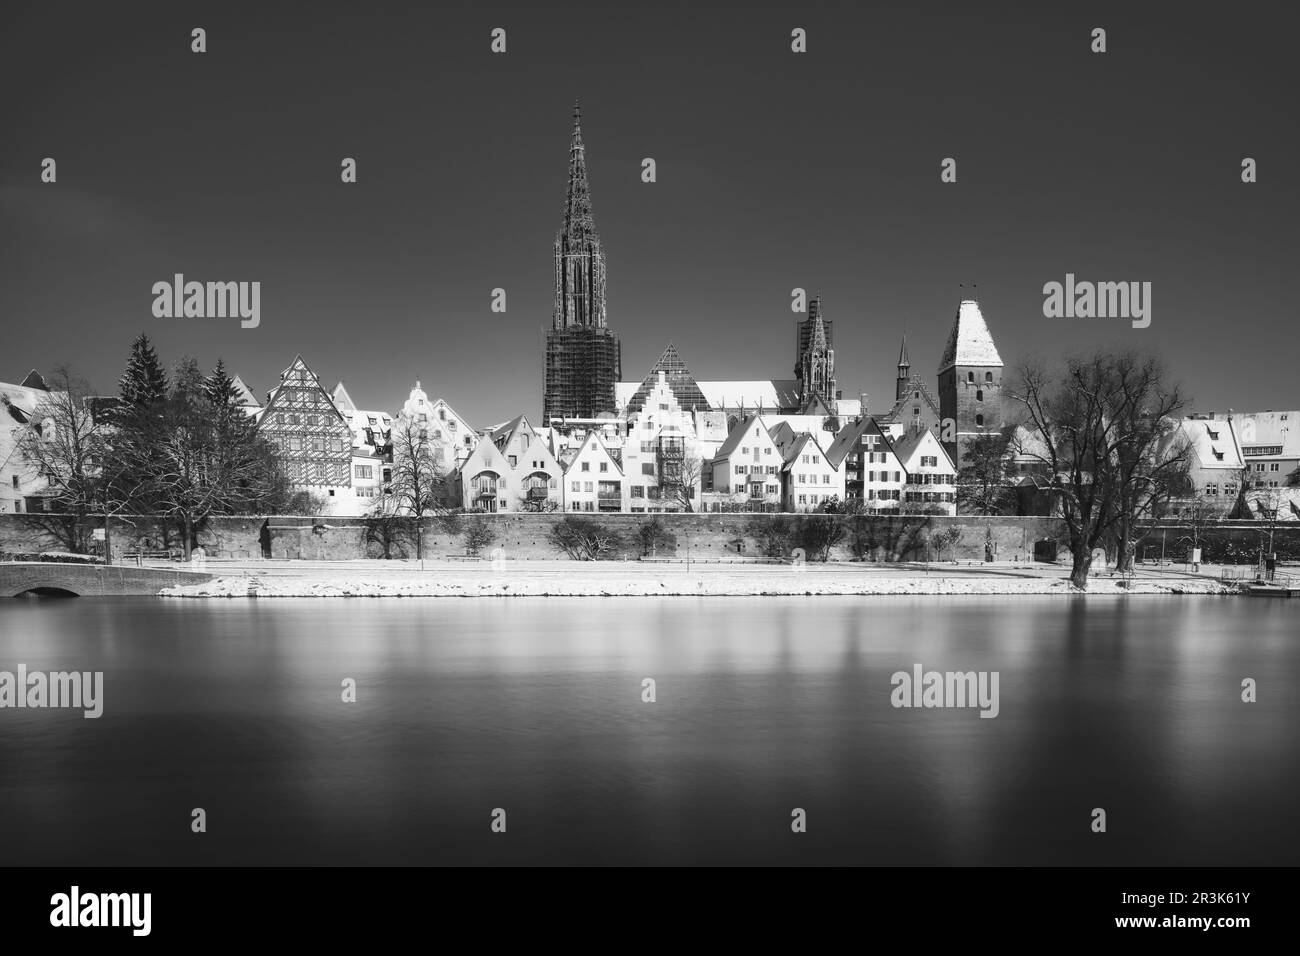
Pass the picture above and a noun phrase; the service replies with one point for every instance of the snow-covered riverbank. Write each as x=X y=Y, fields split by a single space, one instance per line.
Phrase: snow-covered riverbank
x=562 y=579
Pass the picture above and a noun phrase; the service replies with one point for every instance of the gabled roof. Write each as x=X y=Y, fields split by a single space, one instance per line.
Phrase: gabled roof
x=849 y=436
x=905 y=445
x=816 y=405
x=914 y=384
x=246 y=397
x=34 y=380
x=679 y=379
x=501 y=435
x=343 y=400
x=737 y=435
x=969 y=342
x=296 y=364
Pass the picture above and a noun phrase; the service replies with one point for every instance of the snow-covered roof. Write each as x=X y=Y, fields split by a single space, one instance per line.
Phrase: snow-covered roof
x=969 y=342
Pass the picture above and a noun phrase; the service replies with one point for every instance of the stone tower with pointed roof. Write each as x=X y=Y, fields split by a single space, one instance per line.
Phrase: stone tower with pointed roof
x=815 y=368
x=583 y=357
x=970 y=382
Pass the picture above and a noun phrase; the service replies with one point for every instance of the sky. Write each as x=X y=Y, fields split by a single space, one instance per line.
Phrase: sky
x=775 y=170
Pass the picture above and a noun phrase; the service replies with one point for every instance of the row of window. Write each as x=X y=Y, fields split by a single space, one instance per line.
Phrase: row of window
x=933 y=496
x=1272 y=465
x=940 y=479
x=321 y=445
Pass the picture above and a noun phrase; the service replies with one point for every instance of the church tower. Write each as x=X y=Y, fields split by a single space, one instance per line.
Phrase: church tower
x=904 y=372
x=815 y=369
x=970 y=382
x=583 y=357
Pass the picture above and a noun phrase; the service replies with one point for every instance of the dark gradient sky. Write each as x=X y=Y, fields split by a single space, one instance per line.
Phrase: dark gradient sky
x=775 y=170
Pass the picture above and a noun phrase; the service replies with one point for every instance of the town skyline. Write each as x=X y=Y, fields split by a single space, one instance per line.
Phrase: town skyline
x=803 y=194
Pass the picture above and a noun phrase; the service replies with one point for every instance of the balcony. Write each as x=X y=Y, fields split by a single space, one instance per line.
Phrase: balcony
x=536 y=494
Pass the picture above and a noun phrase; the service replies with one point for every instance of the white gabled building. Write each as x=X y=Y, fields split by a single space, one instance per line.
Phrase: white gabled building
x=930 y=480
x=747 y=468
x=872 y=472
x=593 y=480
x=663 y=460
x=809 y=478
x=510 y=469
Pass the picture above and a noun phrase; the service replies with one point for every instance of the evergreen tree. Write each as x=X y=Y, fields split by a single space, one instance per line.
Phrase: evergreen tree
x=144 y=383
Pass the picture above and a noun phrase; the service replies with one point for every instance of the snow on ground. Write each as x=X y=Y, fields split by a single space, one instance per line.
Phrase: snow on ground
x=561 y=579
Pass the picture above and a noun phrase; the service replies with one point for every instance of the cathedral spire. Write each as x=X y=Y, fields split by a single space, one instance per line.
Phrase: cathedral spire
x=579 y=223
x=819 y=328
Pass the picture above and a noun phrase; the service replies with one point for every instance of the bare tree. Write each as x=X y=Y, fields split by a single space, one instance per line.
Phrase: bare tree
x=683 y=482
x=1107 y=435
x=419 y=480
x=64 y=445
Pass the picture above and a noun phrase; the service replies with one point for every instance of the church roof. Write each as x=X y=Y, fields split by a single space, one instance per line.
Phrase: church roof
x=969 y=342
x=679 y=378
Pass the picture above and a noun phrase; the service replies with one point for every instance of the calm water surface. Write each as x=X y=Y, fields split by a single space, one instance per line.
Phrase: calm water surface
x=534 y=705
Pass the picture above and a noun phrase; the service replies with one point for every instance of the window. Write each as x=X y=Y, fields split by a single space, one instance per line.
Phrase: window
x=931 y=461
x=970 y=376
x=373 y=420
x=575 y=486
x=801 y=479
x=744 y=450
x=1218 y=456
x=604 y=466
x=513 y=459
x=805 y=459
x=586 y=486
x=740 y=469
x=647 y=446
x=767 y=451
x=363 y=471
x=586 y=465
x=423 y=418
x=424 y=434
x=1211 y=488
x=979 y=394
x=1214 y=436
x=916 y=395
x=803 y=499
x=638 y=491
x=826 y=479
x=648 y=468
x=988 y=377
x=1273 y=466
x=442 y=414
x=979 y=421
x=1230 y=488
x=817 y=459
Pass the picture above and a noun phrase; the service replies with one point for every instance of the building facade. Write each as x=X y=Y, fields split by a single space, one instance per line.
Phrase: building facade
x=313 y=438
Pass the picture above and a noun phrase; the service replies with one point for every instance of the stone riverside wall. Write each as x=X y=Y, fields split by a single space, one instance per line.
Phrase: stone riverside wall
x=710 y=537
x=525 y=536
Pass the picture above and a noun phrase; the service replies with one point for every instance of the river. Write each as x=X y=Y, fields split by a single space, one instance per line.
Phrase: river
x=535 y=706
